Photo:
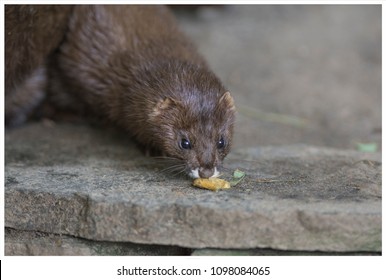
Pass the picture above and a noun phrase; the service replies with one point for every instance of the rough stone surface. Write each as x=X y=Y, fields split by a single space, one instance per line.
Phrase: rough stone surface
x=270 y=252
x=27 y=243
x=84 y=182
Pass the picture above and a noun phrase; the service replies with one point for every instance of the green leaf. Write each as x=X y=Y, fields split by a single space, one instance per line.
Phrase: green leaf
x=238 y=175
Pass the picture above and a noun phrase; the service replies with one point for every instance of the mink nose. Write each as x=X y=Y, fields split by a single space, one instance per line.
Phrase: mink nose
x=205 y=172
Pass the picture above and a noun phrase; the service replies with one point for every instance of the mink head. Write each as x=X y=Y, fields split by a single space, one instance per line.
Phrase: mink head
x=194 y=123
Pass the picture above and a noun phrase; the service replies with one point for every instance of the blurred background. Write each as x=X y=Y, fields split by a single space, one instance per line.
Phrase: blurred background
x=299 y=74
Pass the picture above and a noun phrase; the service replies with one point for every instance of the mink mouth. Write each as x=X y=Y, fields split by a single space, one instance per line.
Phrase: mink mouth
x=198 y=173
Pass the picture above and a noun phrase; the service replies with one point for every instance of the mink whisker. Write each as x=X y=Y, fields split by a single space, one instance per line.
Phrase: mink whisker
x=174 y=166
x=174 y=171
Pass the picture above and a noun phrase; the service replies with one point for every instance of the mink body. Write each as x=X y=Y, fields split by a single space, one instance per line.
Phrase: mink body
x=32 y=33
x=132 y=66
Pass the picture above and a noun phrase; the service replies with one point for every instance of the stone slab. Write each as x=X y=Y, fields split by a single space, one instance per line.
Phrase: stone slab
x=31 y=243
x=94 y=184
x=271 y=252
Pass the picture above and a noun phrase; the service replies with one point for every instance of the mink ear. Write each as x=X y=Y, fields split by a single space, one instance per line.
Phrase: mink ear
x=228 y=101
x=162 y=106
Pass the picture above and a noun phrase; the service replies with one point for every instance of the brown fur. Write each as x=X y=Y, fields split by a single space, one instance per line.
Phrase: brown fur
x=131 y=65
x=31 y=34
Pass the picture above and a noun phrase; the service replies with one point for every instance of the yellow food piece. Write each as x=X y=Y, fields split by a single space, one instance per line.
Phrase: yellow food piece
x=213 y=184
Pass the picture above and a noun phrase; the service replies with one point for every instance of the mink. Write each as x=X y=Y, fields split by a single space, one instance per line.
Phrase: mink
x=132 y=66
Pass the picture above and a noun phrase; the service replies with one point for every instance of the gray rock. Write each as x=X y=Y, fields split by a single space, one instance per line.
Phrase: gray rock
x=92 y=183
x=270 y=252
x=27 y=243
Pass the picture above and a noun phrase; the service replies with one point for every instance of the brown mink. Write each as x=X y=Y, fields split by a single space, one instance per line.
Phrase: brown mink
x=132 y=65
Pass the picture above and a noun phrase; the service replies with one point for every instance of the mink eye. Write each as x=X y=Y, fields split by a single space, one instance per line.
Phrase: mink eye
x=221 y=143
x=185 y=144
